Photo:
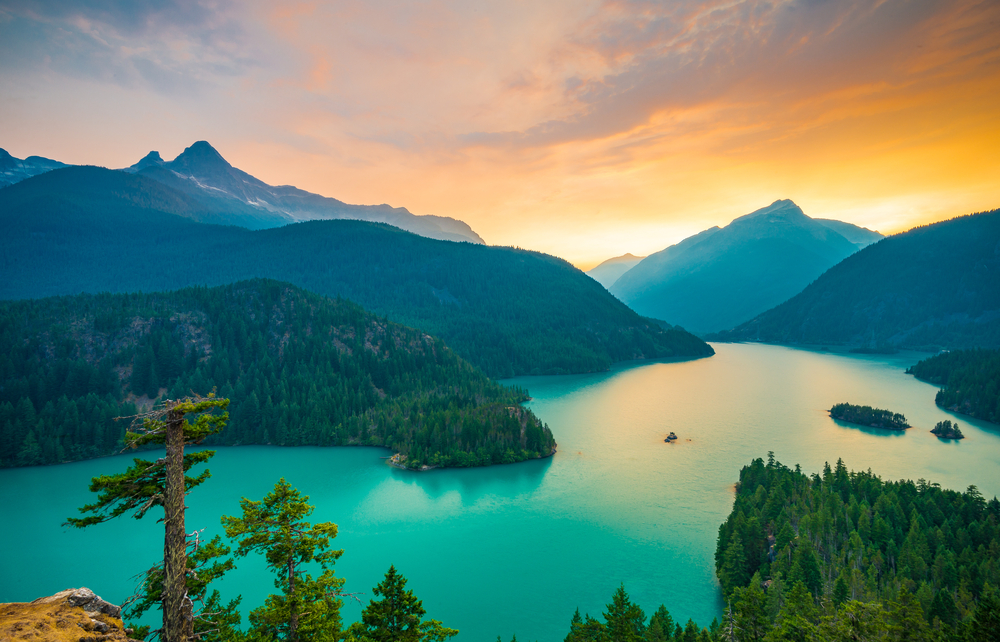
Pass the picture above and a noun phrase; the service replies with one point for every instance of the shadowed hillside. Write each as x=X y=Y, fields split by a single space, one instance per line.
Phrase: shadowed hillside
x=935 y=285
x=298 y=368
x=508 y=311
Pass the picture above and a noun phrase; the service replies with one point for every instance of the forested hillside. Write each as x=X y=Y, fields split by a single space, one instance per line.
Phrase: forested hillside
x=300 y=369
x=845 y=554
x=933 y=286
x=970 y=381
x=506 y=310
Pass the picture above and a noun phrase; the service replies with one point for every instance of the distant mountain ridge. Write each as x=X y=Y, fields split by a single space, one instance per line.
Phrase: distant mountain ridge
x=201 y=171
x=230 y=196
x=722 y=276
x=13 y=170
x=935 y=286
x=609 y=271
x=88 y=229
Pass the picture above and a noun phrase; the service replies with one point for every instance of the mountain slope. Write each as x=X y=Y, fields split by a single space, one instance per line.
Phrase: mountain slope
x=609 y=271
x=860 y=236
x=299 y=369
x=508 y=311
x=722 y=276
x=200 y=171
x=935 y=285
x=14 y=170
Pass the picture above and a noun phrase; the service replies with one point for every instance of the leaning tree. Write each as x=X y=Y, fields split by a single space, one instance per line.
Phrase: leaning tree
x=163 y=482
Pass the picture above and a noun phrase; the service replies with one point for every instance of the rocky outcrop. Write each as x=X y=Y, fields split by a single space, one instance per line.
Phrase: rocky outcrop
x=73 y=615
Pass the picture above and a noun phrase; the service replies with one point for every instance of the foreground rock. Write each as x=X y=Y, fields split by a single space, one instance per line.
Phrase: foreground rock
x=68 y=616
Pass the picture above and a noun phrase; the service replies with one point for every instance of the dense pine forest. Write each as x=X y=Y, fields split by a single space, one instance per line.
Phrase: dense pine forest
x=301 y=370
x=846 y=556
x=970 y=380
x=508 y=311
x=868 y=416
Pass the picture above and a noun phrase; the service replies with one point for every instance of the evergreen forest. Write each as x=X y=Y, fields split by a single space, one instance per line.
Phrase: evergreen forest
x=970 y=381
x=842 y=555
x=301 y=369
x=506 y=310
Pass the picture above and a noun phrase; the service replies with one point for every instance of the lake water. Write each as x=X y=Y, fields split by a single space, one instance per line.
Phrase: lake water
x=515 y=549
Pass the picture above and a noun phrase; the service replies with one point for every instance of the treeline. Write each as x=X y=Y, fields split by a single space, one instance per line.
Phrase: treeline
x=868 y=416
x=844 y=555
x=970 y=381
x=508 y=311
x=301 y=370
x=625 y=621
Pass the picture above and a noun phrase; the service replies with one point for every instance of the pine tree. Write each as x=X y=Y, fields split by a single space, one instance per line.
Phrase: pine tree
x=751 y=611
x=625 y=621
x=986 y=621
x=308 y=608
x=661 y=626
x=396 y=617
x=574 y=625
x=163 y=483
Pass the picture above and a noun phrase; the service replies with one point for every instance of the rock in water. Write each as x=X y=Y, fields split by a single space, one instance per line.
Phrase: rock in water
x=70 y=615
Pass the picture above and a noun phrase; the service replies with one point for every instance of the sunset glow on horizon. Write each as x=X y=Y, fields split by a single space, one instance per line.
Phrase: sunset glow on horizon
x=583 y=129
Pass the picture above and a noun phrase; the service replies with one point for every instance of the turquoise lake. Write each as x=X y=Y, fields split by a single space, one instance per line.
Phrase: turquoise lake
x=515 y=549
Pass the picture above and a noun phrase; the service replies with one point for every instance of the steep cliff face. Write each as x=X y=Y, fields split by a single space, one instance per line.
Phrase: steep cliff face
x=68 y=616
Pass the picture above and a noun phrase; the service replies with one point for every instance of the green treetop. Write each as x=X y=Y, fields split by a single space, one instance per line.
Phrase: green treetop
x=308 y=608
x=396 y=616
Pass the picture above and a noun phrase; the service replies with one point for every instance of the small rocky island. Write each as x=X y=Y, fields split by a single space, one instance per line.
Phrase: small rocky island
x=947 y=430
x=868 y=416
x=670 y=438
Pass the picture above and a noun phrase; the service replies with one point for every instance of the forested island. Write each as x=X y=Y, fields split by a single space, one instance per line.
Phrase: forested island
x=947 y=430
x=301 y=369
x=970 y=381
x=868 y=416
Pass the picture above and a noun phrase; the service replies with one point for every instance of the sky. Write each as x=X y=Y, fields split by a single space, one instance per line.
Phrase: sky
x=585 y=129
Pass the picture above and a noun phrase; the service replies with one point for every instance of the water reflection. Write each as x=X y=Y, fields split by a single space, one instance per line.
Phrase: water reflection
x=878 y=432
x=473 y=483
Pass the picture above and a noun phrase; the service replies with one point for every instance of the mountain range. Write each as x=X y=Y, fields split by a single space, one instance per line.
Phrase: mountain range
x=226 y=195
x=723 y=276
x=934 y=286
x=509 y=311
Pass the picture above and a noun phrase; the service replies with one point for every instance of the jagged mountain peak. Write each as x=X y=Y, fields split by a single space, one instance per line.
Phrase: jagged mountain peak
x=149 y=160
x=199 y=157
